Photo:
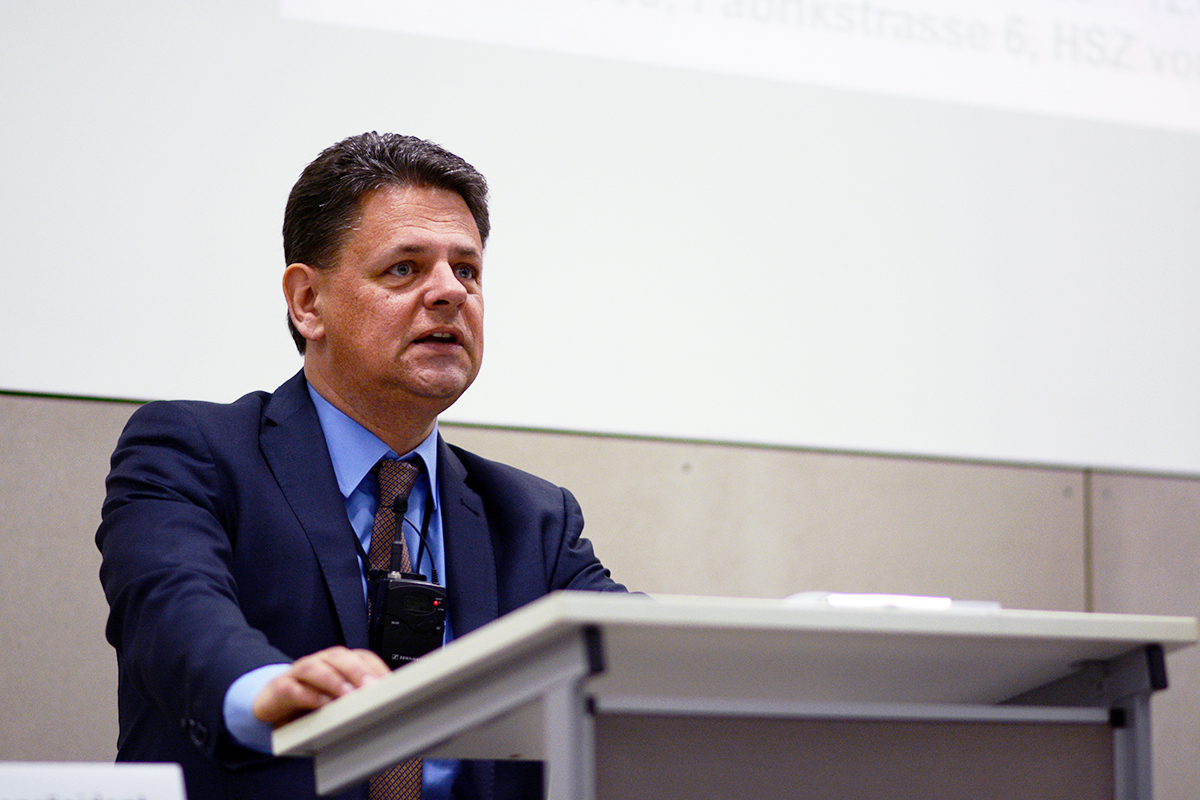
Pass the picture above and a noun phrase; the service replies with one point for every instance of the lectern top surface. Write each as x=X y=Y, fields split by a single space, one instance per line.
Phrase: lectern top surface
x=757 y=613
x=753 y=650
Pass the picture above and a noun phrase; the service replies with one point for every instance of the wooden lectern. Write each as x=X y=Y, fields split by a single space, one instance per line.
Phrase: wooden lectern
x=675 y=697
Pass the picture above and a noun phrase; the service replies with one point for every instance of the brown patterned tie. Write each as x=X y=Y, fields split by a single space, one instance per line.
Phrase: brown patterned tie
x=396 y=478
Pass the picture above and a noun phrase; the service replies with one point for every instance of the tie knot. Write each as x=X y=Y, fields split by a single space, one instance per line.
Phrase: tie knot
x=396 y=479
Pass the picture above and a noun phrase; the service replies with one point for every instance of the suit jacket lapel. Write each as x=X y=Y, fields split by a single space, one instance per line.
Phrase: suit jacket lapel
x=470 y=562
x=293 y=445
x=470 y=574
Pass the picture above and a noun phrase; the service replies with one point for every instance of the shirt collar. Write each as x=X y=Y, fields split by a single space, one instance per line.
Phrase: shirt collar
x=355 y=451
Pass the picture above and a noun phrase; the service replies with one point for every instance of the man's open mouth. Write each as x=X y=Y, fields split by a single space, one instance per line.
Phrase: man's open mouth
x=438 y=338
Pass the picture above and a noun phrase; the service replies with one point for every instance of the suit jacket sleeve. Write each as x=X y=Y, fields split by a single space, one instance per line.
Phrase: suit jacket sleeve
x=168 y=572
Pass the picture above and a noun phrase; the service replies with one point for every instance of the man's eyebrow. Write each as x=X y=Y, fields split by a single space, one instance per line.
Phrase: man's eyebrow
x=419 y=249
x=466 y=252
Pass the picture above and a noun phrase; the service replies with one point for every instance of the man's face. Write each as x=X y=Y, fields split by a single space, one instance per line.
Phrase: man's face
x=401 y=314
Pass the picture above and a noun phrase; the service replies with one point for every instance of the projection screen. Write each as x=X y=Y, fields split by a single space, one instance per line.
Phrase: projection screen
x=963 y=230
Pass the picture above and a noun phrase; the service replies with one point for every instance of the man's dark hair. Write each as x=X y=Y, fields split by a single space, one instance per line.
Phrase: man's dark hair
x=326 y=201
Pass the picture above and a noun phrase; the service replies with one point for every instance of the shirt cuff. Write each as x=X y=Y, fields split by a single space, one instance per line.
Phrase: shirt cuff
x=238 y=708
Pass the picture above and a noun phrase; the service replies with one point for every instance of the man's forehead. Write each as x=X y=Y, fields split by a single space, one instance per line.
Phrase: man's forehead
x=405 y=203
x=412 y=221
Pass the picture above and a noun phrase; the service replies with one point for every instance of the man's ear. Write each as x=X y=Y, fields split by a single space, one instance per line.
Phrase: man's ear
x=300 y=287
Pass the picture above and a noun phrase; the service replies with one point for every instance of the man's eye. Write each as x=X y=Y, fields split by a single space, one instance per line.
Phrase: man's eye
x=466 y=272
x=402 y=269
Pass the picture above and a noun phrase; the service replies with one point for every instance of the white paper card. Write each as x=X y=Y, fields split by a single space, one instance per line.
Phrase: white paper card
x=68 y=781
x=904 y=602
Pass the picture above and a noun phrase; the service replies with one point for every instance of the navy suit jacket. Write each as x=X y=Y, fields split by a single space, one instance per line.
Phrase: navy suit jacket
x=226 y=546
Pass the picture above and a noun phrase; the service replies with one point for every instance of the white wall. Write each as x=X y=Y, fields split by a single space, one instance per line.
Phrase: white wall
x=778 y=232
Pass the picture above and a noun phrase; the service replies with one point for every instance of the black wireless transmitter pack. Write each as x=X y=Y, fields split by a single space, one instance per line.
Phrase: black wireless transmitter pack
x=408 y=612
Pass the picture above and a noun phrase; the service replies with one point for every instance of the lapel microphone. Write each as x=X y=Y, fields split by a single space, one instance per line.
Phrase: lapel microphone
x=400 y=508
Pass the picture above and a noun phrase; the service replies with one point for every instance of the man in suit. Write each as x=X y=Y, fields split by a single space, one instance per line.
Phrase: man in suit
x=234 y=536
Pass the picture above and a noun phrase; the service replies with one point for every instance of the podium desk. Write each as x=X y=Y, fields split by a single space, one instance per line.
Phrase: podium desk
x=629 y=697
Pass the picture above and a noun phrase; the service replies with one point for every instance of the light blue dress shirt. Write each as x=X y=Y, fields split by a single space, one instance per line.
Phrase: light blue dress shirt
x=354 y=452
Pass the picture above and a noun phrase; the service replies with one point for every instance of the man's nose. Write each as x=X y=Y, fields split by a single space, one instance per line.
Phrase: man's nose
x=444 y=287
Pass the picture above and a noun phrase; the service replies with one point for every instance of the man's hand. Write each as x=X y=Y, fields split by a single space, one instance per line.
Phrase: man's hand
x=316 y=680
